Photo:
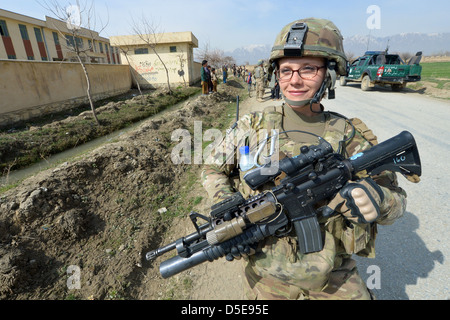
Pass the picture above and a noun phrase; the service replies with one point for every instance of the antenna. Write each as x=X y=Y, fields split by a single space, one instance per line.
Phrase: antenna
x=368 y=40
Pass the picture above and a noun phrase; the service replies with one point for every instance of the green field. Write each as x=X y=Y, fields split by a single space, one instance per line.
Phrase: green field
x=437 y=72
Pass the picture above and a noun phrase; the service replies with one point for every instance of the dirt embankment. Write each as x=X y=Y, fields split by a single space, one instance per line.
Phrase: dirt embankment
x=81 y=230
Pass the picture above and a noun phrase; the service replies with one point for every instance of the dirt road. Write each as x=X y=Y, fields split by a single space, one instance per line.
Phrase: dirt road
x=413 y=254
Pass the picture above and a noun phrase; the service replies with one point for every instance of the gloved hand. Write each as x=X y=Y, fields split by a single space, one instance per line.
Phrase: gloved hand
x=240 y=251
x=357 y=201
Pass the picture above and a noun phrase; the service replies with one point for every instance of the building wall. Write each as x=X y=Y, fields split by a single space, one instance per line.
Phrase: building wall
x=196 y=68
x=175 y=50
x=31 y=88
x=151 y=71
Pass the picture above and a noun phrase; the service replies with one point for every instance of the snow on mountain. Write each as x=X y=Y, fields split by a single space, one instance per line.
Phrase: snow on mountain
x=429 y=44
x=250 y=54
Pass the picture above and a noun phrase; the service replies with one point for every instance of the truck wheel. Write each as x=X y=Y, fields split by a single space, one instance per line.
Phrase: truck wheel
x=342 y=81
x=365 y=83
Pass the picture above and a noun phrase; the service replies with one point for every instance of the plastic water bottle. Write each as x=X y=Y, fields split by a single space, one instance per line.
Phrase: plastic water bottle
x=246 y=160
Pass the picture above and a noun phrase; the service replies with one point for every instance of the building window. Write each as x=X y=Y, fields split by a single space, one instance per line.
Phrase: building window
x=10 y=52
x=101 y=47
x=24 y=32
x=70 y=41
x=79 y=41
x=141 y=51
x=173 y=49
x=41 y=44
x=56 y=38
x=26 y=41
x=3 y=28
x=38 y=35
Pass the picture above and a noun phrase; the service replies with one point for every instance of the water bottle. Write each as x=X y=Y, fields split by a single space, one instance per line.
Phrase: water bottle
x=246 y=160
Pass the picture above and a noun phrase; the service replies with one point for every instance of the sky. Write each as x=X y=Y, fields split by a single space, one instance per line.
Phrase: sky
x=230 y=24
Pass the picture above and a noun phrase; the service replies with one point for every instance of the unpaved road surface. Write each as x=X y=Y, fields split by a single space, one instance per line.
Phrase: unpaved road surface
x=413 y=254
x=98 y=213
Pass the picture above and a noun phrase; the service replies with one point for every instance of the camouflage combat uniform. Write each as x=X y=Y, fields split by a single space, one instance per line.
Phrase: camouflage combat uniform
x=278 y=270
x=258 y=74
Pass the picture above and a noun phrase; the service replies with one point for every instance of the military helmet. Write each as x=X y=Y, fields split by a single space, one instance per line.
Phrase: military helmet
x=311 y=37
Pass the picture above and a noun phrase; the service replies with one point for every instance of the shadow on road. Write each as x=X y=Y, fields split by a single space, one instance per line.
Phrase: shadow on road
x=402 y=259
x=388 y=89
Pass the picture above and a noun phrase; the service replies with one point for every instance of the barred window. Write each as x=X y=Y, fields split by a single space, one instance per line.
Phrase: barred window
x=141 y=51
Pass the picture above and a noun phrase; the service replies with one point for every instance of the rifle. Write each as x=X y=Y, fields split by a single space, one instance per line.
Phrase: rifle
x=316 y=174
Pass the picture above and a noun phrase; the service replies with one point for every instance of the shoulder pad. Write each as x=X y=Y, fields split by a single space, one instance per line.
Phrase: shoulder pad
x=273 y=109
x=364 y=131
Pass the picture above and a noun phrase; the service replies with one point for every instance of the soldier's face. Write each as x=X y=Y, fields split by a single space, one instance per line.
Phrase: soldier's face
x=297 y=88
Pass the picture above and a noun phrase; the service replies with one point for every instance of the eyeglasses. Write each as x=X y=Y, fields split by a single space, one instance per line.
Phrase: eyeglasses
x=306 y=73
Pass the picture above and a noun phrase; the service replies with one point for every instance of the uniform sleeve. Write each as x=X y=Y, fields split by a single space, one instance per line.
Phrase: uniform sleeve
x=223 y=159
x=394 y=203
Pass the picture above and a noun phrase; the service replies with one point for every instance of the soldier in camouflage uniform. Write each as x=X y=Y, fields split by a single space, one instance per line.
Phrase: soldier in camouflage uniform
x=258 y=74
x=306 y=63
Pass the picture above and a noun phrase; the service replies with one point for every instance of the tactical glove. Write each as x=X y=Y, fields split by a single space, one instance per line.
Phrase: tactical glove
x=240 y=251
x=358 y=201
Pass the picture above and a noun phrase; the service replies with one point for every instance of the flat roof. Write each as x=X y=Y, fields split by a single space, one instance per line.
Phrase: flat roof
x=51 y=23
x=159 y=38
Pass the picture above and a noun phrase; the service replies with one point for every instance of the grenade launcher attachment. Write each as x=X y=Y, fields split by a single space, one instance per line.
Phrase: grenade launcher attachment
x=314 y=176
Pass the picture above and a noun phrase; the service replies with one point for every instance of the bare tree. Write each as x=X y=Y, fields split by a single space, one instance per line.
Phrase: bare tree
x=350 y=56
x=181 y=72
x=203 y=52
x=150 y=33
x=78 y=21
x=215 y=57
x=405 y=56
x=124 y=48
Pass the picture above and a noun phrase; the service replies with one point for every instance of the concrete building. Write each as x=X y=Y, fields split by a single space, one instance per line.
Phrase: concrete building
x=27 y=38
x=33 y=84
x=175 y=50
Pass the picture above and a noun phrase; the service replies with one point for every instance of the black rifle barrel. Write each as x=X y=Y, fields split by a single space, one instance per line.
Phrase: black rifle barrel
x=178 y=264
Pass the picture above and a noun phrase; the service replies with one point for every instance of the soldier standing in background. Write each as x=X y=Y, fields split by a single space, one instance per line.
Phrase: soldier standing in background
x=307 y=56
x=258 y=75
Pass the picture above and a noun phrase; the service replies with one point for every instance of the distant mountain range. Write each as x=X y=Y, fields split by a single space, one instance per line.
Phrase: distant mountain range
x=429 y=44
x=250 y=54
